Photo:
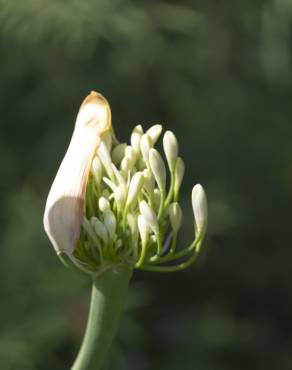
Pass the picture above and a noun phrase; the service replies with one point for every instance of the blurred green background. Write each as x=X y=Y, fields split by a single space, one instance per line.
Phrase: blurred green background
x=217 y=73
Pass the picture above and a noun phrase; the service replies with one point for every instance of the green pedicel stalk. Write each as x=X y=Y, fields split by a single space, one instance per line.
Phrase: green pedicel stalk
x=107 y=302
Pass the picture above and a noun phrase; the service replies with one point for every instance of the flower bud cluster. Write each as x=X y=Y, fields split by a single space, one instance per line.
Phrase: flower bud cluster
x=131 y=213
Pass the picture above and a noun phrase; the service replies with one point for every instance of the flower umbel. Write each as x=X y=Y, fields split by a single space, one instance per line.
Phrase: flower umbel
x=111 y=205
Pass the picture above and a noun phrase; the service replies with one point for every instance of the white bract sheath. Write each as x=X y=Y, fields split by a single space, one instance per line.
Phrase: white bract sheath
x=64 y=206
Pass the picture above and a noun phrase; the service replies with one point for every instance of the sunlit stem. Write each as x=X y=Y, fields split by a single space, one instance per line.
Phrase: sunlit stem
x=159 y=249
x=142 y=256
x=107 y=301
x=173 y=244
x=195 y=245
x=161 y=205
x=174 y=268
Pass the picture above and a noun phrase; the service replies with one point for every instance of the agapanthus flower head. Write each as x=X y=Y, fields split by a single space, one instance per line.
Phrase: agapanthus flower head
x=115 y=204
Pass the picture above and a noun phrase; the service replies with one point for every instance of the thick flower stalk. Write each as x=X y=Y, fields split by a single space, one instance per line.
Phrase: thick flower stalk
x=114 y=207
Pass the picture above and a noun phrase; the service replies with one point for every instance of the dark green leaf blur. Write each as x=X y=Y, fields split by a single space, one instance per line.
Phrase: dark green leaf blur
x=217 y=73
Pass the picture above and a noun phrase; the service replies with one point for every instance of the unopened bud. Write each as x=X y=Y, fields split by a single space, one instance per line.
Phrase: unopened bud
x=170 y=147
x=154 y=133
x=140 y=164
x=158 y=168
x=118 y=175
x=178 y=175
x=134 y=188
x=110 y=223
x=145 y=145
x=100 y=229
x=130 y=154
x=103 y=204
x=144 y=229
x=126 y=165
x=136 y=137
x=175 y=216
x=118 y=153
x=120 y=195
x=149 y=216
x=200 y=209
x=149 y=181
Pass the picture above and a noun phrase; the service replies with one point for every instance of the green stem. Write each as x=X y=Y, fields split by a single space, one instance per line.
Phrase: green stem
x=107 y=301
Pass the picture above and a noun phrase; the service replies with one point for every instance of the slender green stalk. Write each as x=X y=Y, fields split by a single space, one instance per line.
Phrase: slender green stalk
x=107 y=301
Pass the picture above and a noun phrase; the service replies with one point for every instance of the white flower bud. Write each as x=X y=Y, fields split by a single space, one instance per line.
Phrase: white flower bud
x=144 y=229
x=149 y=216
x=149 y=181
x=170 y=147
x=200 y=209
x=105 y=158
x=100 y=229
x=134 y=188
x=118 y=175
x=141 y=165
x=154 y=133
x=103 y=204
x=158 y=168
x=96 y=169
x=129 y=152
x=131 y=155
x=126 y=165
x=136 y=137
x=145 y=145
x=109 y=183
x=178 y=174
x=175 y=216
x=110 y=223
x=120 y=195
x=118 y=153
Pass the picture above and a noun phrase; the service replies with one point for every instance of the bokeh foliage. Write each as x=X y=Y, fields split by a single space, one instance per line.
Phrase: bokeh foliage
x=218 y=73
